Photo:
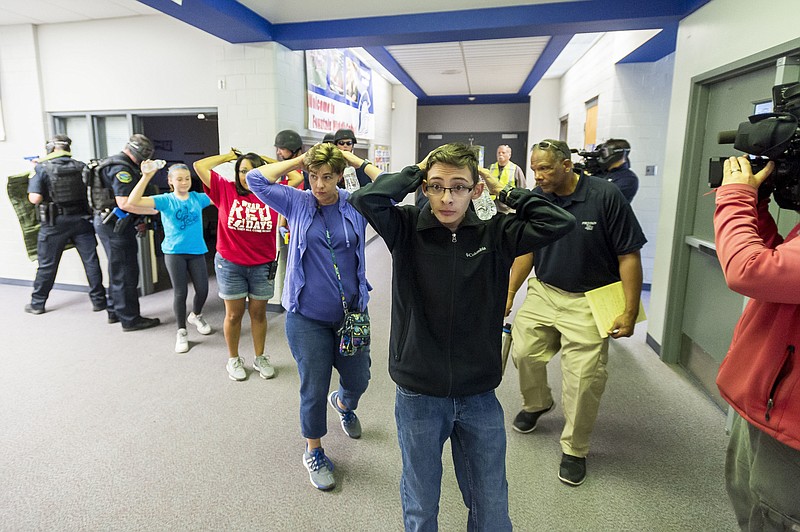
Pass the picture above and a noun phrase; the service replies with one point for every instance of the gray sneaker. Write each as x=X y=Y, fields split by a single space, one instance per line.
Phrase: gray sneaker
x=350 y=423
x=263 y=367
x=320 y=469
x=235 y=369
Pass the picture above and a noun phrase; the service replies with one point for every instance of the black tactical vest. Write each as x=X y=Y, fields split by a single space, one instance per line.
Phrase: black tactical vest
x=101 y=191
x=65 y=185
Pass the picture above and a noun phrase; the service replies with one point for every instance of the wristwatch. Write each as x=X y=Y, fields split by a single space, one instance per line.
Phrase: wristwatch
x=504 y=193
x=364 y=164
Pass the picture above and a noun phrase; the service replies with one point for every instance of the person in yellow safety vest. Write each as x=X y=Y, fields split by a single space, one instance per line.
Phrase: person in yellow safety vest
x=508 y=173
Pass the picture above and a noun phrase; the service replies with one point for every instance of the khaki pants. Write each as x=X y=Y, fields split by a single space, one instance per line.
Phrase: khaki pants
x=549 y=320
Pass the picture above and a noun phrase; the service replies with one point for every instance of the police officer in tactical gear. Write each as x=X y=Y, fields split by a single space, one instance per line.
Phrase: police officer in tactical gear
x=616 y=167
x=119 y=236
x=345 y=140
x=289 y=145
x=57 y=189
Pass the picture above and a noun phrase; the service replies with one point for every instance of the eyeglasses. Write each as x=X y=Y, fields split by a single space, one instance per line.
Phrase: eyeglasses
x=438 y=190
x=547 y=145
x=344 y=142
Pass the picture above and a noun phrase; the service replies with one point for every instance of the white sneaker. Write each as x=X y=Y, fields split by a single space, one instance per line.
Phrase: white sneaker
x=182 y=341
x=200 y=322
x=262 y=365
x=236 y=370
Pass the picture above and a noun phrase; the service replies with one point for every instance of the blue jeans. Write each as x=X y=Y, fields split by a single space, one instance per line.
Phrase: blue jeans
x=315 y=347
x=238 y=282
x=474 y=424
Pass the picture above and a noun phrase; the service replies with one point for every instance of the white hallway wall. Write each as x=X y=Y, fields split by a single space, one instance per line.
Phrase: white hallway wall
x=717 y=34
x=632 y=104
x=172 y=65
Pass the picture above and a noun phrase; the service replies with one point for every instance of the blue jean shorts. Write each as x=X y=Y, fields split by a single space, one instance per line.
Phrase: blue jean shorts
x=239 y=282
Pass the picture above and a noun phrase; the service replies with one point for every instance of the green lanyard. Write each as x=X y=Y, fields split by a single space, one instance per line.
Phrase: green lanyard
x=333 y=256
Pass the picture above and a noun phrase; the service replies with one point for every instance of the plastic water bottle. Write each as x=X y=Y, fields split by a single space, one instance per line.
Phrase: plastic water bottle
x=506 y=345
x=152 y=166
x=484 y=205
x=351 y=183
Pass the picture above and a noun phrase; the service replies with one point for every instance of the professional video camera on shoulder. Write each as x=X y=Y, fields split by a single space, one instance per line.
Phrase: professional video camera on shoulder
x=601 y=160
x=770 y=137
x=590 y=163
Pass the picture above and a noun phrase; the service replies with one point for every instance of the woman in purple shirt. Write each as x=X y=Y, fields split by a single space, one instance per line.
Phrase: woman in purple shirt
x=327 y=234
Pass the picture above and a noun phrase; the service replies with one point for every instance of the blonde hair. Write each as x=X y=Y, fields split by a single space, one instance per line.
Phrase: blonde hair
x=322 y=154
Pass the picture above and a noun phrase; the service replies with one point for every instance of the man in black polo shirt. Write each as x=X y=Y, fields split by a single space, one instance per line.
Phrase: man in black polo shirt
x=601 y=250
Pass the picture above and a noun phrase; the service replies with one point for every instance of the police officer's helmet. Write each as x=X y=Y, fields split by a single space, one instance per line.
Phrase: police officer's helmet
x=58 y=142
x=288 y=140
x=344 y=134
x=327 y=138
x=140 y=147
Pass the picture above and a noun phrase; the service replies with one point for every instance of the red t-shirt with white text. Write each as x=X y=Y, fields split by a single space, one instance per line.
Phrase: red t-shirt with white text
x=246 y=227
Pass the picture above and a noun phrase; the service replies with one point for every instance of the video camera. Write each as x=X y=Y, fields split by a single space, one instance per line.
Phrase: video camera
x=590 y=163
x=770 y=137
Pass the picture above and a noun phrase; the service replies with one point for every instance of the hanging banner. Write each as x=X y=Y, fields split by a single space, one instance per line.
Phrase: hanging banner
x=339 y=93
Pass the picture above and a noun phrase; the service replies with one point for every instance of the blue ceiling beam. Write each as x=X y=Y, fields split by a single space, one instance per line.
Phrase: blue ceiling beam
x=388 y=61
x=659 y=46
x=548 y=55
x=464 y=99
x=478 y=24
x=227 y=19
x=235 y=23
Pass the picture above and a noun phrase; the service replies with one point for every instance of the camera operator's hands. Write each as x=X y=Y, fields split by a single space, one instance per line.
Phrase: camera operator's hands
x=737 y=170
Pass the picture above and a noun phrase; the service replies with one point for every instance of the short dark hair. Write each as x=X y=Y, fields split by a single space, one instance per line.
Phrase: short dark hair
x=141 y=147
x=455 y=154
x=58 y=142
x=618 y=143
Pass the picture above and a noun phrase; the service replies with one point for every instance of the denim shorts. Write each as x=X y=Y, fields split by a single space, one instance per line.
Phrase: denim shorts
x=239 y=282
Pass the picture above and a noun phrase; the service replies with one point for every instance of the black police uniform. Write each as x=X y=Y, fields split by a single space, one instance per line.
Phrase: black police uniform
x=69 y=222
x=121 y=247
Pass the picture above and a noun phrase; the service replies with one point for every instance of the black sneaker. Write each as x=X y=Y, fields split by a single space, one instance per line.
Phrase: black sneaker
x=30 y=309
x=141 y=323
x=112 y=317
x=99 y=307
x=525 y=422
x=572 y=470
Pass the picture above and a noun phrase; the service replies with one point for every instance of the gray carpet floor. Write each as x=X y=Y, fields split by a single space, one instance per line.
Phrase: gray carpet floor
x=105 y=430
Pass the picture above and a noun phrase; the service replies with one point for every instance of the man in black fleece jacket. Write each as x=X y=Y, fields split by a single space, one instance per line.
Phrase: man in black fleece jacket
x=450 y=277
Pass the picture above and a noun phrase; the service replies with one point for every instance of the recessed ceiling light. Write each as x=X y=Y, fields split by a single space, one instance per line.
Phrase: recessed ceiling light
x=471 y=98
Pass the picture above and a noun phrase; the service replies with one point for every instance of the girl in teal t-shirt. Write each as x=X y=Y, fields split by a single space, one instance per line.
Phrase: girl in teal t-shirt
x=184 y=246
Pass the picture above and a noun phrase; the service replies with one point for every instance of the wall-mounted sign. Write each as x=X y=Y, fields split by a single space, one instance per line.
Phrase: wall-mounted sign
x=339 y=93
